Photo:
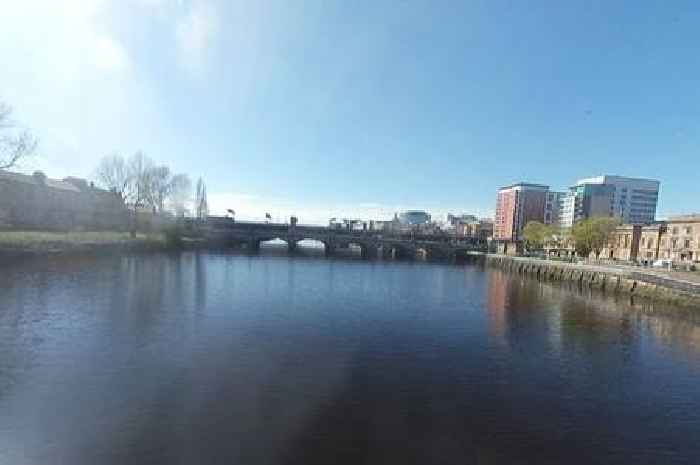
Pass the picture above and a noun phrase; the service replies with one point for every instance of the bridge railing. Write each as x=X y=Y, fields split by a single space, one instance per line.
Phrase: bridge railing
x=223 y=224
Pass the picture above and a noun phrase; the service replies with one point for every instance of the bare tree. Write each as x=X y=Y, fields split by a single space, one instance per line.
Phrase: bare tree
x=142 y=184
x=180 y=191
x=160 y=186
x=200 y=200
x=15 y=143
x=113 y=174
x=140 y=169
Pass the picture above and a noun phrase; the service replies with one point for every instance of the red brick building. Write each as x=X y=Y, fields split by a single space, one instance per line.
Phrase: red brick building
x=516 y=205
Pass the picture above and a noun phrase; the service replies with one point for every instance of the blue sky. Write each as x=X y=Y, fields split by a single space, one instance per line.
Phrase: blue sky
x=362 y=108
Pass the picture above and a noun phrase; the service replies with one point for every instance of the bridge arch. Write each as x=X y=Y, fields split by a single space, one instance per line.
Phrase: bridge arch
x=255 y=243
x=396 y=250
x=367 y=249
x=309 y=243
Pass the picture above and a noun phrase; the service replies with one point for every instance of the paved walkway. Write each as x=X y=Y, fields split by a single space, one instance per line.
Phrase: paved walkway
x=687 y=280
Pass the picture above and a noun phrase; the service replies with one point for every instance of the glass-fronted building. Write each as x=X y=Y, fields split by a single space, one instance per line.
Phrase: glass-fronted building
x=413 y=217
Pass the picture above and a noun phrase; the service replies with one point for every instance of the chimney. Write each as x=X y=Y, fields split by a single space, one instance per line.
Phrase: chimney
x=39 y=177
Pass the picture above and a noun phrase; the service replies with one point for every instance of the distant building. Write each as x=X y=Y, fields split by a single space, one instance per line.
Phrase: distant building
x=479 y=229
x=633 y=200
x=454 y=220
x=414 y=217
x=38 y=202
x=350 y=224
x=516 y=205
x=386 y=226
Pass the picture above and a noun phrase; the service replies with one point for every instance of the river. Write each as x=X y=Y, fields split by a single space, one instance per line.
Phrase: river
x=210 y=358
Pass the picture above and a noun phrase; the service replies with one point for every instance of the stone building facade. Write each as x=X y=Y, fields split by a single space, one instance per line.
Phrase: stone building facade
x=650 y=242
x=681 y=243
x=624 y=243
x=677 y=239
x=480 y=229
x=35 y=202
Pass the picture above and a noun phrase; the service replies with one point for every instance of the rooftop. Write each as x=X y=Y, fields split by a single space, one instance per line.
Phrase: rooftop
x=525 y=186
x=691 y=218
x=612 y=179
x=70 y=183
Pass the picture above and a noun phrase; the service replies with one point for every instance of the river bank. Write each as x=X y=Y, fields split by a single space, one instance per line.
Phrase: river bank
x=667 y=287
x=671 y=287
x=36 y=243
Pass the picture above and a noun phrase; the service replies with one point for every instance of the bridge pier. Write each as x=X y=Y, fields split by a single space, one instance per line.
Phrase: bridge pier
x=387 y=252
x=291 y=246
x=370 y=251
x=254 y=245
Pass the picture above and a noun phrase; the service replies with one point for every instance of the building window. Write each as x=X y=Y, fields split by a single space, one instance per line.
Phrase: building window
x=674 y=231
x=687 y=244
x=689 y=230
x=674 y=243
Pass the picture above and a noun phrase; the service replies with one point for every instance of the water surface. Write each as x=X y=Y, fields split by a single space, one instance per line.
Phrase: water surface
x=205 y=358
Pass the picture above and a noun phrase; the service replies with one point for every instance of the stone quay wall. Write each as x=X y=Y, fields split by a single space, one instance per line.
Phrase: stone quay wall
x=645 y=285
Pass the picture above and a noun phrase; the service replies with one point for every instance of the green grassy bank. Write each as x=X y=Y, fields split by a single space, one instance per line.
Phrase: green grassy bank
x=53 y=242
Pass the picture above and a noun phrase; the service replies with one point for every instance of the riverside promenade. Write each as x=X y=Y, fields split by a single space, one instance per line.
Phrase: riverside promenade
x=675 y=287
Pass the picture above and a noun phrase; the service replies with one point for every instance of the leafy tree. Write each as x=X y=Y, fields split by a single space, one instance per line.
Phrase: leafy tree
x=15 y=143
x=536 y=234
x=593 y=234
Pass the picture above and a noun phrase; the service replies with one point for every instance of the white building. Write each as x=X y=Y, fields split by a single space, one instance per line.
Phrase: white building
x=567 y=207
x=553 y=207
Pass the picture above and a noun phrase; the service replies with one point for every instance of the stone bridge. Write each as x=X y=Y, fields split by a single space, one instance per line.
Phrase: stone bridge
x=371 y=243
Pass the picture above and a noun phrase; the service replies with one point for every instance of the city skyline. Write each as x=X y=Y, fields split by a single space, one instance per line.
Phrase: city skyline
x=361 y=111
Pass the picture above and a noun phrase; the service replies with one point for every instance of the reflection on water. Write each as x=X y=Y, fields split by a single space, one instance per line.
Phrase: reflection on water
x=205 y=358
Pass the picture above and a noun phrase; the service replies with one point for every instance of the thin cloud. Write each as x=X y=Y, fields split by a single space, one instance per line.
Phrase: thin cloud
x=195 y=33
x=109 y=54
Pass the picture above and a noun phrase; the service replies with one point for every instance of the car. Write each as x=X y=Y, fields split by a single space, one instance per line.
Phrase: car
x=662 y=264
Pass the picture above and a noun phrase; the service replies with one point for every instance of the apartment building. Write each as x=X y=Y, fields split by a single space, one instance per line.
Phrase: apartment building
x=516 y=205
x=554 y=207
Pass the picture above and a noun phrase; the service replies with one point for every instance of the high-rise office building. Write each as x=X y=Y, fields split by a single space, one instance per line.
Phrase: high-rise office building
x=633 y=200
x=414 y=217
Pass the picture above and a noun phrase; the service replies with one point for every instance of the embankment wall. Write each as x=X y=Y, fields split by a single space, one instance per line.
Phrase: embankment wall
x=645 y=285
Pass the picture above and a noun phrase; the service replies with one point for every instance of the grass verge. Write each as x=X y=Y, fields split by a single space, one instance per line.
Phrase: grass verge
x=44 y=241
